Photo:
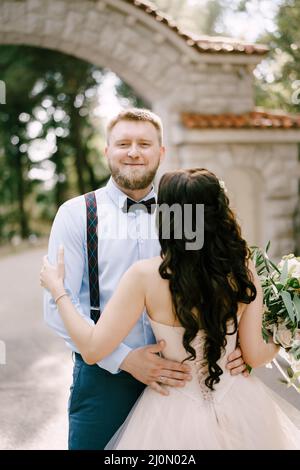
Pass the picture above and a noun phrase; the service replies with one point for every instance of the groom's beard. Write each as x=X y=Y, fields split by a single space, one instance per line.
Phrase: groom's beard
x=129 y=178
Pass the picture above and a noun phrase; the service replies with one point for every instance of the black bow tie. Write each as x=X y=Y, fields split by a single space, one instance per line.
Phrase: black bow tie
x=149 y=205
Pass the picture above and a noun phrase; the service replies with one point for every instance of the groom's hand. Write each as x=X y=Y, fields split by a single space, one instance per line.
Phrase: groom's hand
x=145 y=365
x=236 y=364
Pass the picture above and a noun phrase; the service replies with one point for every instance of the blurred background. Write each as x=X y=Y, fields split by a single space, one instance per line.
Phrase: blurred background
x=57 y=106
x=54 y=107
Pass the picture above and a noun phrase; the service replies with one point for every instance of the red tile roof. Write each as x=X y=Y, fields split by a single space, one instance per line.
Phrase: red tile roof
x=208 y=44
x=257 y=119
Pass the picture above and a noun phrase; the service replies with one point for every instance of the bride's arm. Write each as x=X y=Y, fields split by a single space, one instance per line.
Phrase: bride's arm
x=254 y=350
x=116 y=321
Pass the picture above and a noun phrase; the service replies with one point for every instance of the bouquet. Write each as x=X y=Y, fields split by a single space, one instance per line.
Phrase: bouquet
x=281 y=317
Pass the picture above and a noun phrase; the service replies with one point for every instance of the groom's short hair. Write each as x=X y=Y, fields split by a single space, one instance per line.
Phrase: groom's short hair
x=137 y=114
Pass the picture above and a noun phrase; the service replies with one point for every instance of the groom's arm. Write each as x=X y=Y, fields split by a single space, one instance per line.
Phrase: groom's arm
x=68 y=230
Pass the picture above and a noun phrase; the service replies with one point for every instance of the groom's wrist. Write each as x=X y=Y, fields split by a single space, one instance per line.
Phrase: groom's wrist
x=126 y=363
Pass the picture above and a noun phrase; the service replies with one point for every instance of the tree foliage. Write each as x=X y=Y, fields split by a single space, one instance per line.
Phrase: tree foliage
x=50 y=139
x=278 y=77
x=199 y=17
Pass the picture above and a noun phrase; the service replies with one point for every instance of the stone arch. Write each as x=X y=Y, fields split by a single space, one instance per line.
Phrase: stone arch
x=140 y=47
x=171 y=70
x=168 y=68
x=175 y=73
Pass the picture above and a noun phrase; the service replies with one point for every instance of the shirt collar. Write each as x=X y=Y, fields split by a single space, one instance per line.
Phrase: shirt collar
x=119 y=198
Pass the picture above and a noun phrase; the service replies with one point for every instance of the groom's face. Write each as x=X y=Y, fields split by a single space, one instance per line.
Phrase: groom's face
x=134 y=153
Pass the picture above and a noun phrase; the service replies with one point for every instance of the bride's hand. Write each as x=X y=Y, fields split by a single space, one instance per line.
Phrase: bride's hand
x=52 y=277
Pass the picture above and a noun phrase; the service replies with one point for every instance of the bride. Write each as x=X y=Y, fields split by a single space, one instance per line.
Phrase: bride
x=198 y=301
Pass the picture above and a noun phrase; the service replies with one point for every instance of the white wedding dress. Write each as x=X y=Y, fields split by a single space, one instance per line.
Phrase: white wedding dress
x=240 y=414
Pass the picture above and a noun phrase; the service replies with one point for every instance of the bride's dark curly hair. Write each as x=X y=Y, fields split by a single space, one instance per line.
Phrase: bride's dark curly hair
x=206 y=284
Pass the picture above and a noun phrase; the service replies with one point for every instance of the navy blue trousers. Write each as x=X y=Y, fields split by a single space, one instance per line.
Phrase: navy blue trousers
x=99 y=403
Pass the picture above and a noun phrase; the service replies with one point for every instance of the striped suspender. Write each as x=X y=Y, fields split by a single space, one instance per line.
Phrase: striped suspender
x=92 y=248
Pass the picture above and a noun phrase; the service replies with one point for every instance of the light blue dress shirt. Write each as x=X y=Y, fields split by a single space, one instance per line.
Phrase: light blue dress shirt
x=123 y=238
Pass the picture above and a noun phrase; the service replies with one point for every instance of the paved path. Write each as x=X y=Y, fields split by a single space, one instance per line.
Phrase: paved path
x=34 y=383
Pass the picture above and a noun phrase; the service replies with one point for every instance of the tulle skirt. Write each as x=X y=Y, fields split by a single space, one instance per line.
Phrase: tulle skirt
x=246 y=417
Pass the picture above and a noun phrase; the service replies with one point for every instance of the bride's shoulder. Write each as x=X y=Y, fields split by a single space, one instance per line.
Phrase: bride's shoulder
x=146 y=266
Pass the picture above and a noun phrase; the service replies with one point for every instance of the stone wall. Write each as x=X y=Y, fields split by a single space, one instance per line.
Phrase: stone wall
x=262 y=181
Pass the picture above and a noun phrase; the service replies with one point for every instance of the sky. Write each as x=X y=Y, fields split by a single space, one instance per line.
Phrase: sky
x=251 y=24
x=109 y=104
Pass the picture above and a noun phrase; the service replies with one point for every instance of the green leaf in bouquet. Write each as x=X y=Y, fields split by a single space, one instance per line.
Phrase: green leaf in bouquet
x=260 y=270
x=268 y=290
x=296 y=301
x=262 y=262
x=274 y=289
x=293 y=282
x=265 y=334
x=283 y=381
x=274 y=266
x=279 y=286
x=296 y=354
x=294 y=380
x=290 y=372
x=257 y=258
x=259 y=261
x=282 y=313
x=267 y=257
x=284 y=273
x=286 y=297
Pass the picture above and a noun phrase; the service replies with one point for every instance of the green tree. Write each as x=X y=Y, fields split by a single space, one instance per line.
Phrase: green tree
x=199 y=17
x=63 y=88
x=55 y=94
x=14 y=160
x=277 y=75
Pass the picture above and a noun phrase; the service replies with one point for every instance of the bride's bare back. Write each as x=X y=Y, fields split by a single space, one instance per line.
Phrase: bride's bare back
x=158 y=296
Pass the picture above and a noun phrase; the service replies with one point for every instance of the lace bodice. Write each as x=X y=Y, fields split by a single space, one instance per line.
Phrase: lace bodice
x=174 y=350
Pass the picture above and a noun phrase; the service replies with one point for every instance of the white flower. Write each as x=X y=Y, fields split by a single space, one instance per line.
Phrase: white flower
x=293 y=265
x=283 y=336
x=222 y=185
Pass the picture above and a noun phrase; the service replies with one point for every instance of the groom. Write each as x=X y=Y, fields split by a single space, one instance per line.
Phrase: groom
x=103 y=394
